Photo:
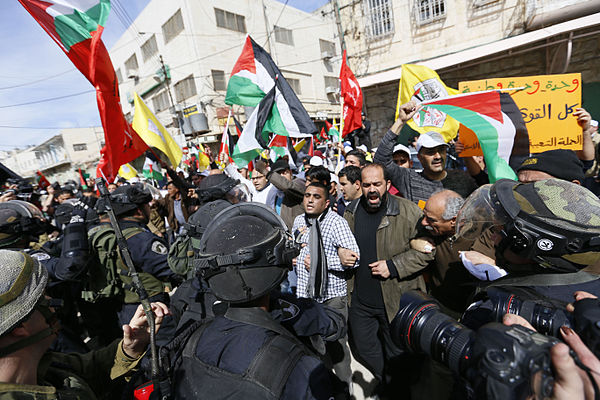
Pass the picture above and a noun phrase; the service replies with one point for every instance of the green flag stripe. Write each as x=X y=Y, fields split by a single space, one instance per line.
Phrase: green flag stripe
x=77 y=27
x=243 y=91
x=487 y=135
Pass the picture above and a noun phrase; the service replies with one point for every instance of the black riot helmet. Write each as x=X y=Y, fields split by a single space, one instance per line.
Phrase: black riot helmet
x=125 y=198
x=552 y=222
x=21 y=220
x=245 y=253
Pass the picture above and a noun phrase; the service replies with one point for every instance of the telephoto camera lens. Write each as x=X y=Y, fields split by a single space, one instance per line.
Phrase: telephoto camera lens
x=421 y=327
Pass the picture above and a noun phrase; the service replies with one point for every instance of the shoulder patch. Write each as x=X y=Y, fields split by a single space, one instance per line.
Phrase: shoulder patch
x=530 y=161
x=159 y=248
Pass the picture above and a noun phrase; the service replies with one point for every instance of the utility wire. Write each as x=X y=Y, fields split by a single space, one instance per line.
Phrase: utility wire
x=49 y=99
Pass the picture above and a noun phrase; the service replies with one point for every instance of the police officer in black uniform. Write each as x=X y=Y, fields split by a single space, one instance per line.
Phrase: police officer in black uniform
x=245 y=354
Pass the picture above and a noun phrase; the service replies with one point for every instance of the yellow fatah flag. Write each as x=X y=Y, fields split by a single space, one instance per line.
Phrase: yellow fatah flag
x=299 y=145
x=127 y=171
x=153 y=133
x=419 y=83
x=203 y=160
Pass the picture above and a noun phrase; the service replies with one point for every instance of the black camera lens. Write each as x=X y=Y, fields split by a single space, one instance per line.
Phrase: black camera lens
x=421 y=327
x=545 y=318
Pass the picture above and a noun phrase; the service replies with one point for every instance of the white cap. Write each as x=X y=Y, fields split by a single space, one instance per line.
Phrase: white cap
x=429 y=140
x=363 y=148
x=401 y=147
x=348 y=149
x=316 y=161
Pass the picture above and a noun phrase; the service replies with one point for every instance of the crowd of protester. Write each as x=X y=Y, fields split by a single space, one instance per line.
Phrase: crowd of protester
x=371 y=225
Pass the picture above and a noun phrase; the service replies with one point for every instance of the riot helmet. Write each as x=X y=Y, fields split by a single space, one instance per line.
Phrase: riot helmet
x=221 y=186
x=125 y=198
x=21 y=220
x=553 y=223
x=245 y=253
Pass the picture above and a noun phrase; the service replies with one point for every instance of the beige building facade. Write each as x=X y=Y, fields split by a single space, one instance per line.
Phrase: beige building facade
x=200 y=41
x=467 y=40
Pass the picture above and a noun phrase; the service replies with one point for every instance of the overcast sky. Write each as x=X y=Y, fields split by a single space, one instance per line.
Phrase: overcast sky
x=33 y=68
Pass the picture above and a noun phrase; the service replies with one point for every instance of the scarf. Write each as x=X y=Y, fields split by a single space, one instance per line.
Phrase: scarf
x=317 y=281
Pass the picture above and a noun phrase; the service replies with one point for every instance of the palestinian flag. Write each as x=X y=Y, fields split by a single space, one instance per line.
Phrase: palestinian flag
x=257 y=82
x=83 y=178
x=333 y=133
x=226 y=141
x=76 y=26
x=497 y=122
x=151 y=170
x=42 y=181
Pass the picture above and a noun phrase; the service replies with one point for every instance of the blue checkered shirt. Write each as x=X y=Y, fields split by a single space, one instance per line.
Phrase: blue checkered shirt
x=335 y=233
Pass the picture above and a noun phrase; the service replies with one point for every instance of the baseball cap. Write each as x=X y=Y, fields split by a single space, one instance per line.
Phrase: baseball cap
x=401 y=147
x=429 y=140
x=560 y=163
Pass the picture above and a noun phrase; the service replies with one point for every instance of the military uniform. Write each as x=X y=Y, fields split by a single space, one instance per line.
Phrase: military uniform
x=73 y=376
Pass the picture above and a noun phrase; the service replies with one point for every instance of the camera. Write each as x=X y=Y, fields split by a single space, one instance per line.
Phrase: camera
x=496 y=361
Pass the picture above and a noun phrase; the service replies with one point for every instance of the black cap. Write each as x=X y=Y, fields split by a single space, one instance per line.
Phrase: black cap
x=280 y=165
x=561 y=164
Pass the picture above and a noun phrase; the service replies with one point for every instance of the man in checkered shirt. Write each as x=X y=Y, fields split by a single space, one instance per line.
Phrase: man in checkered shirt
x=341 y=253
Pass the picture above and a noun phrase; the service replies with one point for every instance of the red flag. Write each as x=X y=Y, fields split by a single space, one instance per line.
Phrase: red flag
x=278 y=141
x=311 y=149
x=102 y=167
x=80 y=39
x=42 y=181
x=353 y=99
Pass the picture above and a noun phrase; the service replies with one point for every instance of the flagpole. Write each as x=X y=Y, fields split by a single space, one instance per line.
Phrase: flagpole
x=339 y=158
x=225 y=132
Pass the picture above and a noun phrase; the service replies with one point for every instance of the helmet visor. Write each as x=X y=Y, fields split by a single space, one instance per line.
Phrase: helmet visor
x=479 y=214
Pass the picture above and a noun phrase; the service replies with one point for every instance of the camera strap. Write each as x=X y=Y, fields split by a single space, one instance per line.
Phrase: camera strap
x=574 y=278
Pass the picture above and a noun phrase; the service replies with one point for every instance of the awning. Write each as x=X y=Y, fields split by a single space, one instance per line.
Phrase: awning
x=484 y=50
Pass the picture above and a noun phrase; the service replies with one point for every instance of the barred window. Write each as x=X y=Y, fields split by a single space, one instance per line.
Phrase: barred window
x=185 y=88
x=430 y=10
x=79 y=146
x=161 y=101
x=379 y=18
x=173 y=26
x=228 y=20
x=295 y=84
x=283 y=35
x=131 y=64
x=149 y=48
x=218 y=78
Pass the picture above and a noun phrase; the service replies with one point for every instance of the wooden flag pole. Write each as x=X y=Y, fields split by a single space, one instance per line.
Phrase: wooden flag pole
x=339 y=157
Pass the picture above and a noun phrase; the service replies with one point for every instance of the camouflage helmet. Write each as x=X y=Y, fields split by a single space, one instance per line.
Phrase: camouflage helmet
x=22 y=284
x=20 y=220
x=553 y=222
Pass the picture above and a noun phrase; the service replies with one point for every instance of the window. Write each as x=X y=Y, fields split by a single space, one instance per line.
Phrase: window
x=131 y=65
x=119 y=76
x=327 y=48
x=161 y=101
x=430 y=10
x=228 y=20
x=295 y=84
x=149 y=48
x=173 y=26
x=185 y=88
x=283 y=35
x=379 y=19
x=79 y=147
x=218 y=78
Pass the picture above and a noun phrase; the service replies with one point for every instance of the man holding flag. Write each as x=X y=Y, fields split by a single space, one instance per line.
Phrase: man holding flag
x=431 y=147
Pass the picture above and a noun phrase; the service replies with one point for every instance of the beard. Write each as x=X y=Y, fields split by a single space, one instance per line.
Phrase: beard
x=372 y=206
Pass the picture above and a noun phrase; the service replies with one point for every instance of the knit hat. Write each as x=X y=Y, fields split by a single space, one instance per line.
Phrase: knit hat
x=561 y=164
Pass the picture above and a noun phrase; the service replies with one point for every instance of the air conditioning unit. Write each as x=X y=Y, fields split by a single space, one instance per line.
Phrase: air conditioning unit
x=327 y=55
x=132 y=74
x=331 y=90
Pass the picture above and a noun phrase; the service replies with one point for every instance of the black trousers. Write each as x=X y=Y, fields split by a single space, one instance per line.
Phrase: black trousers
x=371 y=338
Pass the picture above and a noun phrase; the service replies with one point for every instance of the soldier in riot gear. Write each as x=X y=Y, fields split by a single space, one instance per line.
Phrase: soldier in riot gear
x=109 y=277
x=545 y=232
x=28 y=327
x=247 y=353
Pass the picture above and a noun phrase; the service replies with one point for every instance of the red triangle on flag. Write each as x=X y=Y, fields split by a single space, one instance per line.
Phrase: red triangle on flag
x=278 y=141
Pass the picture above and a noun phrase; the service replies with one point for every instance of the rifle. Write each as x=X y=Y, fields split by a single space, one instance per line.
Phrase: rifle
x=136 y=281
